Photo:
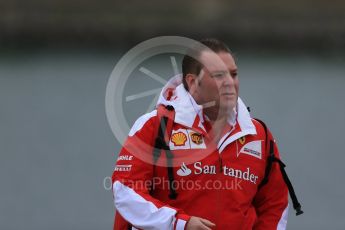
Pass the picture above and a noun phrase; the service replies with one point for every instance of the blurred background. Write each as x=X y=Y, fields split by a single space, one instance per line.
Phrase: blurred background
x=57 y=149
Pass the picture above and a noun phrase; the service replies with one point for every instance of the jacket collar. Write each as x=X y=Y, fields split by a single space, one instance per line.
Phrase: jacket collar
x=190 y=114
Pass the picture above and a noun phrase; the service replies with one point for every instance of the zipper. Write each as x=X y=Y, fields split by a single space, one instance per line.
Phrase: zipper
x=220 y=162
x=227 y=135
x=219 y=191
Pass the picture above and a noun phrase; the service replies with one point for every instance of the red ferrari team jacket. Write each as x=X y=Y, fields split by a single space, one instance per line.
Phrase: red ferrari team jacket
x=216 y=181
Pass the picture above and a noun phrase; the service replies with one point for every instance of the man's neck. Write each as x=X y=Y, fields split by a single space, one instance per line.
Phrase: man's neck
x=218 y=120
x=215 y=114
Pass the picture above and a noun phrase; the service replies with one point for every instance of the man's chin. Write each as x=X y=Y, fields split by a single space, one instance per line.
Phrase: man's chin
x=228 y=105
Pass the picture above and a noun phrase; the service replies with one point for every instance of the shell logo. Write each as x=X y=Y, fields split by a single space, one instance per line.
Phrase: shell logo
x=179 y=139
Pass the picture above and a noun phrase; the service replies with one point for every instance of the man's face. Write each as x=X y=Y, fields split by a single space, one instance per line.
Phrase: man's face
x=218 y=80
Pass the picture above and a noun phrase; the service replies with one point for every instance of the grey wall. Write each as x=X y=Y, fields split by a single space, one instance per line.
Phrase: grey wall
x=56 y=147
x=293 y=24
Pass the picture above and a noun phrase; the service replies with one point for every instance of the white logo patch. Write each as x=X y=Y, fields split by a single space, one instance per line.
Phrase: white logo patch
x=179 y=139
x=186 y=139
x=252 y=148
x=184 y=170
x=196 y=140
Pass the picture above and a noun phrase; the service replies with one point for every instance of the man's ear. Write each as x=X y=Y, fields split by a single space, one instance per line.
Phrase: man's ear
x=192 y=82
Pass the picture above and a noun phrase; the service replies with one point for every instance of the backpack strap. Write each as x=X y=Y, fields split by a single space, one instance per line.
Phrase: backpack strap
x=166 y=116
x=272 y=159
x=270 y=155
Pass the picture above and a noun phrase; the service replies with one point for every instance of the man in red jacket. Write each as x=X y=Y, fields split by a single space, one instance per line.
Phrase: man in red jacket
x=215 y=156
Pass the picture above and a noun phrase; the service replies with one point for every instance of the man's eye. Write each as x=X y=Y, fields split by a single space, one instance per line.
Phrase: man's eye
x=218 y=74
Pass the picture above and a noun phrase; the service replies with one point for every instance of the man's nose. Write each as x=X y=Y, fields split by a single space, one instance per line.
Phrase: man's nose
x=228 y=80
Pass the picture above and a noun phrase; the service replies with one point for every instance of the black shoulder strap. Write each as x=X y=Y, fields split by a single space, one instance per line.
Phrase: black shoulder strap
x=160 y=144
x=270 y=154
x=270 y=160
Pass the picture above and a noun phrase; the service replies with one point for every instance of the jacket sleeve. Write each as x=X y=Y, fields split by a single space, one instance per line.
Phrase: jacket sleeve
x=133 y=178
x=271 y=200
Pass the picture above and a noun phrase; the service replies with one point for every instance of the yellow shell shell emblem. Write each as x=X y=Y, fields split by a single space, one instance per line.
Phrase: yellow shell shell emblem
x=242 y=140
x=196 y=138
x=179 y=139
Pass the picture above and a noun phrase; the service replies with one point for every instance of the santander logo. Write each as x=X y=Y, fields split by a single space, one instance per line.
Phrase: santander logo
x=184 y=170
